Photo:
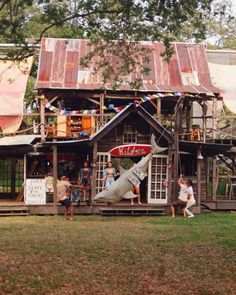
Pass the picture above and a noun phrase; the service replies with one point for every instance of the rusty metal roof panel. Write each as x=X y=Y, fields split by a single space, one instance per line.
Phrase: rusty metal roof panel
x=187 y=70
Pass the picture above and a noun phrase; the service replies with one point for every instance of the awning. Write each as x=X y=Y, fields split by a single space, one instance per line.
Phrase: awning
x=224 y=77
x=13 y=82
x=17 y=140
x=209 y=149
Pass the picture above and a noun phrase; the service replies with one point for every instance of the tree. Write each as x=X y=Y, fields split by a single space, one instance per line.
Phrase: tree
x=103 y=21
x=126 y=20
x=221 y=25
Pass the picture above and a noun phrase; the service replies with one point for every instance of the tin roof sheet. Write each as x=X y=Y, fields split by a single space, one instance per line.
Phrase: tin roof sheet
x=18 y=140
x=187 y=70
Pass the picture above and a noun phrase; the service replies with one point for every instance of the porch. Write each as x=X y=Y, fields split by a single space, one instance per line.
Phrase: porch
x=120 y=209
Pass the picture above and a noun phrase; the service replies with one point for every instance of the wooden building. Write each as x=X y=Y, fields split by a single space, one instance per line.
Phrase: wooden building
x=83 y=119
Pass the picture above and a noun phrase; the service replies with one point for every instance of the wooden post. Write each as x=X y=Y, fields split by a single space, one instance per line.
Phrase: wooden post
x=42 y=120
x=54 y=160
x=178 y=110
x=188 y=117
x=94 y=171
x=169 y=184
x=13 y=175
x=214 y=117
x=159 y=109
x=204 y=126
x=101 y=109
x=180 y=120
x=199 y=177
x=214 y=179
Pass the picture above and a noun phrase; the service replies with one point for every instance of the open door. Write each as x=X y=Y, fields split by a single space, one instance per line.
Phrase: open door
x=157 y=180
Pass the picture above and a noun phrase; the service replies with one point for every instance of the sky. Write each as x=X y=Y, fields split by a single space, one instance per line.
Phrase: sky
x=234 y=5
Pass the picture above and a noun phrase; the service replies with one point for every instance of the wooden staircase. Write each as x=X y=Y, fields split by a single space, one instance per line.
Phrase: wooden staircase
x=14 y=211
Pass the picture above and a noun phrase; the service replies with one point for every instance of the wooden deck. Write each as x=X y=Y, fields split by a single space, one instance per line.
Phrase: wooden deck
x=11 y=208
x=8 y=208
x=223 y=204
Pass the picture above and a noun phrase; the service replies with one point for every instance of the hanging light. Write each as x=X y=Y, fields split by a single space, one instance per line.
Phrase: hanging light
x=199 y=155
x=35 y=151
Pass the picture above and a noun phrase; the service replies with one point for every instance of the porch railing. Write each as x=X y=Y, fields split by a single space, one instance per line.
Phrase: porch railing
x=62 y=126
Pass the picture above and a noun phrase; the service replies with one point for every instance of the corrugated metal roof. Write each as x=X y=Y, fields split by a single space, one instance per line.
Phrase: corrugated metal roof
x=187 y=71
x=18 y=140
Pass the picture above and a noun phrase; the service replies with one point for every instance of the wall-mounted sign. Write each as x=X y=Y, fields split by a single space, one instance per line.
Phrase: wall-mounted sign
x=131 y=150
x=35 y=192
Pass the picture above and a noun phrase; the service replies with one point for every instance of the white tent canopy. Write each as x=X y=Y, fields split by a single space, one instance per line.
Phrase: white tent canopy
x=224 y=77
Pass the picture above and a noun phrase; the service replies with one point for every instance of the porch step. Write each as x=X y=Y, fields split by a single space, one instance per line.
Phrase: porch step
x=132 y=212
x=13 y=212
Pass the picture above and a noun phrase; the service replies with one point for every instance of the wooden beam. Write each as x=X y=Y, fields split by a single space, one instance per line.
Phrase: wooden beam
x=94 y=170
x=169 y=168
x=214 y=117
x=178 y=111
x=214 y=179
x=101 y=107
x=188 y=119
x=93 y=100
x=55 y=176
x=53 y=99
x=42 y=120
x=199 y=178
x=158 y=107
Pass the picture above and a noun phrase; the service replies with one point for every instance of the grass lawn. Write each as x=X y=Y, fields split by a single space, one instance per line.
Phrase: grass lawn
x=118 y=255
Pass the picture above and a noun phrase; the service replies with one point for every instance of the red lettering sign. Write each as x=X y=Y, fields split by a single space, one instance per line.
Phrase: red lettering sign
x=131 y=150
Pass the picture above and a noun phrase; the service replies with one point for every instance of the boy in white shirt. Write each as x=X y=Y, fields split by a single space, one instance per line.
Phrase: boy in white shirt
x=191 y=200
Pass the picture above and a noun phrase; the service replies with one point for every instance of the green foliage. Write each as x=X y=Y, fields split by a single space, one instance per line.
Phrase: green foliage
x=221 y=25
x=123 y=20
x=102 y=21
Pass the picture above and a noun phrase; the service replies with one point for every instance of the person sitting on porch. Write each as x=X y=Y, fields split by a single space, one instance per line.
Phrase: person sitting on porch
x=84 y=182
x=183 y=197
x=109 y=175
x=63 y=196
x=191 y=200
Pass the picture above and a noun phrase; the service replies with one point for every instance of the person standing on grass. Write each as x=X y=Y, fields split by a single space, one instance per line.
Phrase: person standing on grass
x=63 y=196
x=191 y=200
x=183 y=197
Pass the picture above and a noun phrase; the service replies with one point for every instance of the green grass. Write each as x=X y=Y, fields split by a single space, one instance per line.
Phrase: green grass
x=120 y=255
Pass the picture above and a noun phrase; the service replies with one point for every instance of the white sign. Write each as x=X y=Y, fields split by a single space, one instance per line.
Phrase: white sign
x=35 y=192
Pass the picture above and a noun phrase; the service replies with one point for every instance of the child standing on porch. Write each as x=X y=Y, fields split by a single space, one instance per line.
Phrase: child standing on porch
x=109 y=174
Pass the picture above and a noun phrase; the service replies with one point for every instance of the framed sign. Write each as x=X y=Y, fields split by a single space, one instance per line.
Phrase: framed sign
x=131 y=150
x=35 y=192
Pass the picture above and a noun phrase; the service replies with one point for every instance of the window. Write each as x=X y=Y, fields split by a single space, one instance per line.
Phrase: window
x=11 y=175
x=129 y=134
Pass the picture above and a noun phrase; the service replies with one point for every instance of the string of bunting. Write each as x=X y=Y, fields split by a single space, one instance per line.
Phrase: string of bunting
x=145 y=98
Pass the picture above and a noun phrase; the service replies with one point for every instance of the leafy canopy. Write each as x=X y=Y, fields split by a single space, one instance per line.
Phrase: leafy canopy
x=102 y=21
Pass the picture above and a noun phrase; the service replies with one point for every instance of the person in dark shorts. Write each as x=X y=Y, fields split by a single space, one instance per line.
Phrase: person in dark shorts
x=183 y=197
x=63 y=196
x=84 y=182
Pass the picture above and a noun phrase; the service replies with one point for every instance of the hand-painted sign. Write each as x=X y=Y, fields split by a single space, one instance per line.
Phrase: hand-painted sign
x=131 y=150
x=35 y=192
x=136 y=175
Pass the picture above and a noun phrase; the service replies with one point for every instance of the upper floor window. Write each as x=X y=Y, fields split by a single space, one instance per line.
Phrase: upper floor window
x=129 y=134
